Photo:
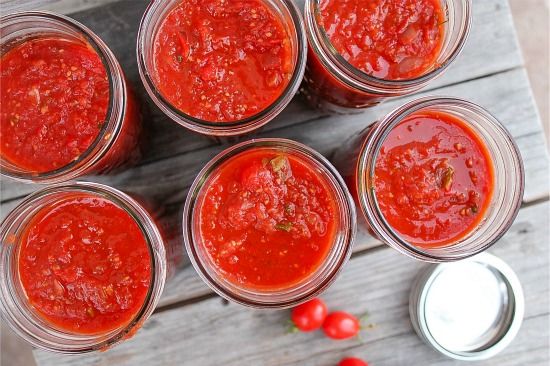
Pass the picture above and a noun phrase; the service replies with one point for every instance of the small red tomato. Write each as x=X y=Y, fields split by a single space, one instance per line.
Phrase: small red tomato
x=310 y=315
x=352 y=361
x=341 y=325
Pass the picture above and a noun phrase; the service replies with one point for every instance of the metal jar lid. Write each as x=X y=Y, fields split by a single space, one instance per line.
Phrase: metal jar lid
x=467 y=310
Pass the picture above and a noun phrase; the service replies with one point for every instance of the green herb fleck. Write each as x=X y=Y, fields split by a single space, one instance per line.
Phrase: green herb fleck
x=281 y=166
x=179 y=58
x=475 y=209
x=284 y=226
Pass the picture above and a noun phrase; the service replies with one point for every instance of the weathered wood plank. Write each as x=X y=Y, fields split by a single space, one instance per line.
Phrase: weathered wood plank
x=487 y=41
x=60 y=6
x=211 y=333
x=505 y=94
x=491 y=49
x=492 y=38
x=325 y=134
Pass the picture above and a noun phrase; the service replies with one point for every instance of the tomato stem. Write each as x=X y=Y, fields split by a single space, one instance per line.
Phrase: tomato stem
x=291 y=327
x=363 y=319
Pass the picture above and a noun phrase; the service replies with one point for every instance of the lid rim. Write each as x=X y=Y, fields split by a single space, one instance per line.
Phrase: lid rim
x=510 y=327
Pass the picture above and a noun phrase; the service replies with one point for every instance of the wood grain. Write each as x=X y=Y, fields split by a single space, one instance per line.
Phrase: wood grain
x=60 y=6
x=378 y=279
x=212 y=333
x=491 y=48
x=506 y=95
x=494 y=92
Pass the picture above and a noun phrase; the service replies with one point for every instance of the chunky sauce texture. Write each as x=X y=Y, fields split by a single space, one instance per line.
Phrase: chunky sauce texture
x=387 y=39
x=85 y=265
x=54 y=95
x=433 y=179
x=267 y=219
x=222 y=60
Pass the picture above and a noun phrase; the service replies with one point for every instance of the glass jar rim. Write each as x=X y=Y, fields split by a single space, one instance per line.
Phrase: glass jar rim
x=332 y=60
x=90 y=342
x=295 y=295
x=241 y=126
x=366 y=166
x=113 y=120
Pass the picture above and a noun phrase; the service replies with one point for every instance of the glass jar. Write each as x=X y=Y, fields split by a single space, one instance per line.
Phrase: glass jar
x=117 y=143
x=357 y=160
x=333 y=84
x=14 y=305
x=150 y=24
x=313 y=284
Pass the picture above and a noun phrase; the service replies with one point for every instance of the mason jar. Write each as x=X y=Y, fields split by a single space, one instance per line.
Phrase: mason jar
x=151 y=22
x=117 y=143
x=19 y=311
x=314 y=282
x=357 y=158
x=333 y=84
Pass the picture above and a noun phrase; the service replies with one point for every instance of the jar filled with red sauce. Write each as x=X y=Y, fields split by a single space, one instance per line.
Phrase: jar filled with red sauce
x=222 y=68
x=269 y=223
x=83 y=266
x=439 y=179
x=364 y=52
x=67 y=109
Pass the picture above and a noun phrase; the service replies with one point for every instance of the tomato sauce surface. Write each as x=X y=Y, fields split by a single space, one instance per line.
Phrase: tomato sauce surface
x=222 y=60
x=54 y=95
x=433 y=179
x=387 y=39
x=268 y=219
x=85 y=265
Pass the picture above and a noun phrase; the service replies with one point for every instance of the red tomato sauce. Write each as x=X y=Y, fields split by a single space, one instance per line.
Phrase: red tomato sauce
x=395 y=39
x=433 y=179
x=267 y=219
x=54 y=96
x=85 y=265
x=222 y=61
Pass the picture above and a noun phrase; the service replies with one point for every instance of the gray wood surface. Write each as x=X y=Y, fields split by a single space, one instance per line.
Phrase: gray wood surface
x=324 y=135
x=192 y=326
x=378 y=281
x=491 y=49
x=493 y=92
x=61 y=6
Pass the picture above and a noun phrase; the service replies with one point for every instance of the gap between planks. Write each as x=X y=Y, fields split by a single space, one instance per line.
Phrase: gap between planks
x=379 y=246
x=486 y=41
x=211 y=333
x=498 y=90
x=212 y=149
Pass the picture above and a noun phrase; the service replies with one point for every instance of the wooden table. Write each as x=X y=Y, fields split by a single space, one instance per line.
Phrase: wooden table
x=193 y=326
